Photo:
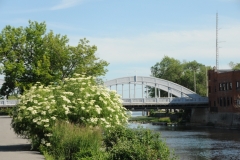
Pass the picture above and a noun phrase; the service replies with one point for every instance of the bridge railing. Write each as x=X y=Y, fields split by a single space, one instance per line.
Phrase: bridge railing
x=7 y=102
x=167 y=100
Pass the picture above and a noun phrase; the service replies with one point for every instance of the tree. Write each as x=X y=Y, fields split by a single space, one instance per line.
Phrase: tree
x=188 y=74
x=169 y=69
x=234 y=66
x=29 y=55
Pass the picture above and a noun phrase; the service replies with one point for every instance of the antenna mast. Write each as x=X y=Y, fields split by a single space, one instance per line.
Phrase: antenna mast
x=217 y=55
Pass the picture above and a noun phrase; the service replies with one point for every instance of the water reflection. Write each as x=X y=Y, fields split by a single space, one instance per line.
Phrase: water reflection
x=199 y=143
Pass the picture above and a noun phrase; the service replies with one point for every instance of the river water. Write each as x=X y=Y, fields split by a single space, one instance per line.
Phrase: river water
x=198 y=143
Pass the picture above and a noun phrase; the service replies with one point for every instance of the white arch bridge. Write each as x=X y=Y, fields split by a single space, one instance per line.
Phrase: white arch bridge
x=179 y=97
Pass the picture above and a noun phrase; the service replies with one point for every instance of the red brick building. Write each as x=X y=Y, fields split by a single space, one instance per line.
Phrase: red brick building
x=224 y=90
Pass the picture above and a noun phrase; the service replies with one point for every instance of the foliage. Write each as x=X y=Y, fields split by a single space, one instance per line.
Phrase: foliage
x=136 y=144
x=6 y=111
x=31 y=54
x=75 y=142
x=164 y=119
x=181 y=73
x=77 y=100
x=142 y=119
x=234 y=66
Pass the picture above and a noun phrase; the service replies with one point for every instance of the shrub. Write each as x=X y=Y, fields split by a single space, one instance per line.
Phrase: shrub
x=165 y=119
x=77 y=100
x=136 y=144
x=75 y=142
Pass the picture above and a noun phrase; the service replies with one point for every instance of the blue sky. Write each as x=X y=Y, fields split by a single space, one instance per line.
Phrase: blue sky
x=133 y=35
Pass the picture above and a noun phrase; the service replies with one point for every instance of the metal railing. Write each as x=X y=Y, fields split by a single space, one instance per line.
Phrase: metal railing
x=129 y=101
x=8 y=102
x=170 y=100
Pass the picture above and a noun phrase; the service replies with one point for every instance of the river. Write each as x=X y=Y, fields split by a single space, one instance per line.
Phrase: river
x=198 y=143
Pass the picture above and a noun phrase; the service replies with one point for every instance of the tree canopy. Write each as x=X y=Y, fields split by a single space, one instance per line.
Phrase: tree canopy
x=234 y=66
x=181 y=73
x=31 y=54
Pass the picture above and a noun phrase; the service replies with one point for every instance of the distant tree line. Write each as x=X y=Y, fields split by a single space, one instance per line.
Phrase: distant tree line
x=191 y=75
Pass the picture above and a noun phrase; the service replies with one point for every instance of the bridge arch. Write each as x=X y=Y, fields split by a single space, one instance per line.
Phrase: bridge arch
x=168 y=86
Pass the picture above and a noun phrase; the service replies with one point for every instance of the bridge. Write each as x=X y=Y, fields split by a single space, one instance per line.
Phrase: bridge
x=179 y=97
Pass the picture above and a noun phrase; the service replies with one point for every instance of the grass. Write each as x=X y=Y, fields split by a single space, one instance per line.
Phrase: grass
x=150 y=119
x=74 y=142
x=5 y=111
x=142 y=119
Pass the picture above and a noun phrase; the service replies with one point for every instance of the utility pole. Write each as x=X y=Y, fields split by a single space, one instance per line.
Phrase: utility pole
x=217 y=55
x=194 y=76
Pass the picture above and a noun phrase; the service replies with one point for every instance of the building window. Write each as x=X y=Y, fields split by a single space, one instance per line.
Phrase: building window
x=238 y=102
x=224 y=101
x=223 y=86
x=220 y=86
x=228 y=101
x=231 y=100
x=237 y=85
x=230 y=85
x=209 y=89
x=227 y=86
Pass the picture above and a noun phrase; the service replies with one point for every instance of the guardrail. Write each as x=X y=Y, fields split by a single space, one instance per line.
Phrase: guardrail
x=8 y=102
x=129 y=101
x=170 y=100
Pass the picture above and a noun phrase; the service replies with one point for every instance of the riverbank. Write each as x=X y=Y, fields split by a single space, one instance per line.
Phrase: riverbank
x=155 y=120
x=226 y=120
x=161 y=118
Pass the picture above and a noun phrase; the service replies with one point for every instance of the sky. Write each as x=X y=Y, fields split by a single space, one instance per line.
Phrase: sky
x=133 y=35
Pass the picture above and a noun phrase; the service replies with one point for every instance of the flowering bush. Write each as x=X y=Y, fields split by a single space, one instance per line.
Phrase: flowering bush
x=77 y=100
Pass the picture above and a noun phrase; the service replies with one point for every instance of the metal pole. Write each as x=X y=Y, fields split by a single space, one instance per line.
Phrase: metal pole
x=122 y=90
x=159 y=92
x=129 y=91
x=134 y=89
x=142 y=89
x=168 y=92
x=206 y=83
x=146 y=91
x=194 y=82
x=155 y=90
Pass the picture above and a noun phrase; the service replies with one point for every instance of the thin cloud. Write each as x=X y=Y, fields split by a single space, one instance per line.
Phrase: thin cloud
x=66 y=4
x=183 y=45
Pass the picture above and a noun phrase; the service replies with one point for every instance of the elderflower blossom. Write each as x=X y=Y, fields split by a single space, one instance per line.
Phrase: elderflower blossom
x=53 y=118
x=48 y=144
x=48 y=135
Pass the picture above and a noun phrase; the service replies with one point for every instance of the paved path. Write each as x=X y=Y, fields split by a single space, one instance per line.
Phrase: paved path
x=13 y=147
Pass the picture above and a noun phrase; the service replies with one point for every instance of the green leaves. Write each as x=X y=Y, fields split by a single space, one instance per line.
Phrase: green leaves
x=234 y=66
x=181 y=73
x=31 y=54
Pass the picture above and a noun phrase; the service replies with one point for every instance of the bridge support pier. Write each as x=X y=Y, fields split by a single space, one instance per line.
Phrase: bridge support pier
x=145 y=113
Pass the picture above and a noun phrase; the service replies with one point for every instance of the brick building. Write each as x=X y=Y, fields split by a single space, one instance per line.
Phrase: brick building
x=224 y=90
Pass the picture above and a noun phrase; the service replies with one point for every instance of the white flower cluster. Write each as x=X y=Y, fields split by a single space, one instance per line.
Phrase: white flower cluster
x=78 y=98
